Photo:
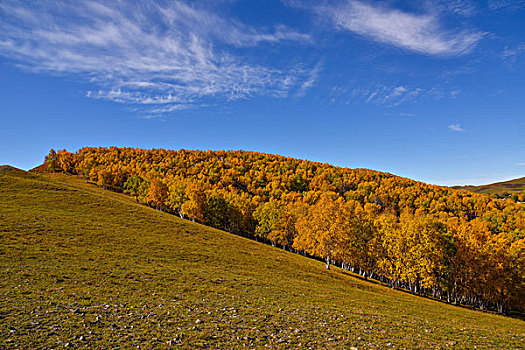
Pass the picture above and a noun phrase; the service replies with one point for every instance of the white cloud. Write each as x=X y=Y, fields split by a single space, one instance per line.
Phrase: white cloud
x=511 y=53
x=389 y=95
x=521 y=164
x=418 y=33
x=513 y=5
x=455 y=93
x=386 y=95
x=460 y=7
x=312 y=78
x=455 y=127
x=145 y=53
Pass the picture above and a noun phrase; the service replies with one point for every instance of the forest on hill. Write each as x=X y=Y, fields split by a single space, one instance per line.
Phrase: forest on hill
x=458 y=246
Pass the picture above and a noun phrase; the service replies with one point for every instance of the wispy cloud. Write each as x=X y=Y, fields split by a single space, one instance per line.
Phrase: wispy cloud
x=521 y=163
x=460 y=7
x=421 y=33
x=455 y=127
x=389 y=96
x=495 y=5
x=454 y=93
x=312 y=78
x=146 y=53
x=511 y=53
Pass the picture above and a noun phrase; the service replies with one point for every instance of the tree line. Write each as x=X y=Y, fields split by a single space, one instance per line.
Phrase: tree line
x=458 y=246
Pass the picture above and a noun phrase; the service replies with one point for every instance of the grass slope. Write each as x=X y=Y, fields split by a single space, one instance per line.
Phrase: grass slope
x=88 y=268
x=510 y=186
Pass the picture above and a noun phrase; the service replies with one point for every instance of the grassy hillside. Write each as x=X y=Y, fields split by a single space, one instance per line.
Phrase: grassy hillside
x=509 y=187
x=398 y=231
x=88 y=268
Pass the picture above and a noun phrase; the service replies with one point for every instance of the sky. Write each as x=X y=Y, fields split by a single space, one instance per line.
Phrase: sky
x=432 y=90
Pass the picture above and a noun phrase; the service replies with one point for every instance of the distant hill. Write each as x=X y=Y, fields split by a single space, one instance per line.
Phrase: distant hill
x=92 y=269
x=503 y=189
x=8 y=169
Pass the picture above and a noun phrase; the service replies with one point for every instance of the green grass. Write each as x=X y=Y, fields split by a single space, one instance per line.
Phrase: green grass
x=88 y=268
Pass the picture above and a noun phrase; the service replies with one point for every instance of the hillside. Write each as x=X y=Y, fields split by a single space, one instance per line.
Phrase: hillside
x=88 y=268
x=505 y=188
x=454 y=245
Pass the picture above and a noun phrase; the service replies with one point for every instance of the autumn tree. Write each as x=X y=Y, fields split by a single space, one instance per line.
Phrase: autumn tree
x=137 y=187
x=104 y=178
x=267 y=216
x=195 y=206
x=51 y=160
x=177 y=195
x=319 y=230
x=285 y=229
x=217 y=212
x=157 y=194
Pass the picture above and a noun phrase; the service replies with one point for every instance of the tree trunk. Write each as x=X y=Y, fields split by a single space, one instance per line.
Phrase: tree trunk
x=328 y=260
x=500 y=307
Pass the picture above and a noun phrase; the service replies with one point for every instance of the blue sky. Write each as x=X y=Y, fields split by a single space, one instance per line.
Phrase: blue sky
x=432 y=90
